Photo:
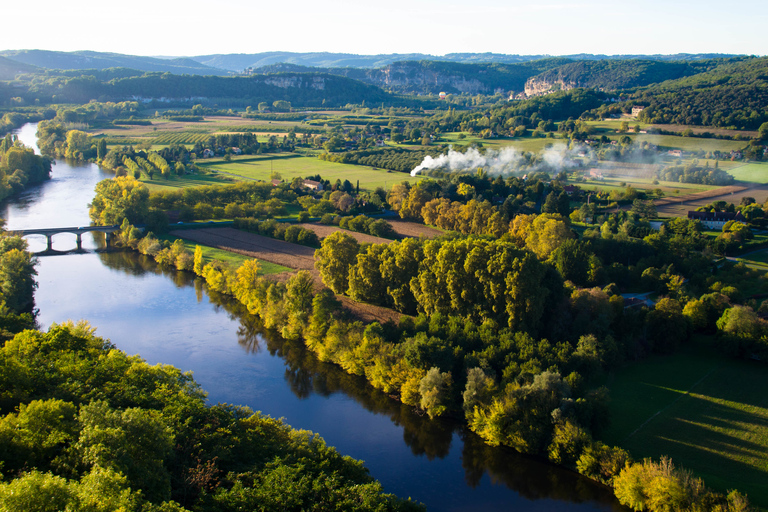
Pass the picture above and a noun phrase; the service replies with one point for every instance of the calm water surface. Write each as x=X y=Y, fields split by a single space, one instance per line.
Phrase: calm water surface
x=169 y=318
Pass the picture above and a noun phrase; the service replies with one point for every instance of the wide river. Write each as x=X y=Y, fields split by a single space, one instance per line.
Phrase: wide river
x=168 y=317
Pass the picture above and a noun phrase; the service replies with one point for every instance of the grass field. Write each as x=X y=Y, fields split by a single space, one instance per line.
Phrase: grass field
x=191 y=180
x=670 y=188
x=709 y=413
x=290 y=166
x=234 y=259
x=752 y=172
x=520 y=143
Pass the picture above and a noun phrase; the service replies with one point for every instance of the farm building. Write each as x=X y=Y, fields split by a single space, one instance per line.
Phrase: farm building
x=716 y=220
x=314 y=185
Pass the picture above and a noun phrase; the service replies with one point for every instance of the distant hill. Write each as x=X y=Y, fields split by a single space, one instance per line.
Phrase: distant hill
x=432 y=77
x=613 y=75
x=301 y=89
x=98 y=60
x=241 y=61
x=732 y=95
x=10 y=68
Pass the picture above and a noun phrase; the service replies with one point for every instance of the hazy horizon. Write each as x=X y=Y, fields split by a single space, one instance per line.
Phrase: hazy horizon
x=438 y=28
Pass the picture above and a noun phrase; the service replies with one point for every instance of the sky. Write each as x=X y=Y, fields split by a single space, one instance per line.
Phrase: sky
x=552 y=27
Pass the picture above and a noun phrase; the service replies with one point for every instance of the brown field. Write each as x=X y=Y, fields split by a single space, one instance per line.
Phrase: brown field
x=412 y=229
x=255 y=246
x=322 y=231
x=403 y=228
x=681 y=205
x=283 y=253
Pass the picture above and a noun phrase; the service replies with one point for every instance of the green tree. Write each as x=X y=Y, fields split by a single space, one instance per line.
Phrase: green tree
x=101 y=149
x=434 y=389
x=337 y=253
x=298 y=303
x=17 y=275
x=117 y=199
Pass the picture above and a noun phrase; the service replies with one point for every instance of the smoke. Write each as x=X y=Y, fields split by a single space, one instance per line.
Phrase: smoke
x=634 y=161
x=493 y=162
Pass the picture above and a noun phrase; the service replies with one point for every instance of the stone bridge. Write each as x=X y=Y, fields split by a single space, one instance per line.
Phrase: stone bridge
x=78 y=231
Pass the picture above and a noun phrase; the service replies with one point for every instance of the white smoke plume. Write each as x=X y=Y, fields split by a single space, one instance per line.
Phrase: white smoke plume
x=493 y=162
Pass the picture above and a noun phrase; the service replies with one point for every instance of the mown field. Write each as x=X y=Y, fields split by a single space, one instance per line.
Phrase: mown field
x=291 y=166
x=709 y=413
x=670 y=188
x=755 y=172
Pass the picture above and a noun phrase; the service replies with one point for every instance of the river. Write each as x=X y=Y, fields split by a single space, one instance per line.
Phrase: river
x=168 y=317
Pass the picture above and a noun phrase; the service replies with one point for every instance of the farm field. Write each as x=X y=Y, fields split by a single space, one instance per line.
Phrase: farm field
x=322 y=231
x=670 y=188
x=297 y=257
x=291 y=166
x=289 y=255
x=681 y=205
x=234 y=259
x=405 y=228
x=752 y=172
x=707 y=412
x=190 y=180
x=520 y=143
x=667 y=142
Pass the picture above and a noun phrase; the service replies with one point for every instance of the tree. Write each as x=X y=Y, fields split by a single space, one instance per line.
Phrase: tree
x=762 y=132
x=434 y=389
x=199 y=262
x=298 y=303
x=17 y=274
x=77 y=143
x=333 y=259
x=133 y=442
x=546 y=234
x=118 y=199
x=101 y=149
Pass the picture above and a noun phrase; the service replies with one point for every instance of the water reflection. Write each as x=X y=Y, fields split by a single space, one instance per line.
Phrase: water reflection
x=307 y=377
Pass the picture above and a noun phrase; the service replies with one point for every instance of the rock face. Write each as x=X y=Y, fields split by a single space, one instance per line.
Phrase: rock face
x=536 y=86
x=413 y=77
x=297 y=81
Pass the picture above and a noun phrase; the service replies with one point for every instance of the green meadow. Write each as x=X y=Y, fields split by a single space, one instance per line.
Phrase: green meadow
x=233 y=259
x=291 y=166
x=752 y=172
x=709 y=413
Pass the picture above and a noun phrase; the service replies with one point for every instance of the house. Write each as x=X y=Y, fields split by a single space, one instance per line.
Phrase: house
x=237 y=151
x=716 y=220
x=276 y=182
x=675 y=152
x=570 y=189
x=636 y=110
x=207 y=153
x=313 y=185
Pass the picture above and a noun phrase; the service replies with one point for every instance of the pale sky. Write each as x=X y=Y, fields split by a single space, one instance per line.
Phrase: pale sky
x=159 y=27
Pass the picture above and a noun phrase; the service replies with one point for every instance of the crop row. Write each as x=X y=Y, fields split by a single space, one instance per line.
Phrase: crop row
x=180 y=138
